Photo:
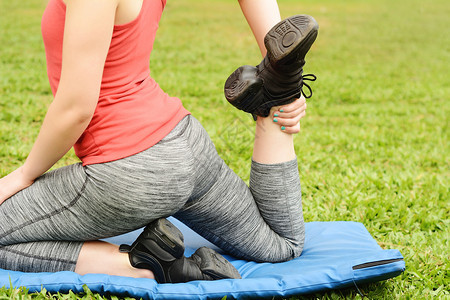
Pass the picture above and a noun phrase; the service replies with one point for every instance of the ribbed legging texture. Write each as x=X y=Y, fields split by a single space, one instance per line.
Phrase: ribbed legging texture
x=43 y=227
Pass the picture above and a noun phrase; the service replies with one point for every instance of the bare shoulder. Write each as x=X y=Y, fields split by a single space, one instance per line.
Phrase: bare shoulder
x=127 y=11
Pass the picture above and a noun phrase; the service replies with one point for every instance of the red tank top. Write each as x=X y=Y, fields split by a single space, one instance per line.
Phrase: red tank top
x=133 y=113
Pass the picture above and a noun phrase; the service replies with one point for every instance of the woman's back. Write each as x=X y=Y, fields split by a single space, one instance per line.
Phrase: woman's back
x=133 y=113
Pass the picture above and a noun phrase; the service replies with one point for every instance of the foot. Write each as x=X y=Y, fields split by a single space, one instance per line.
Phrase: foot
x=160 y=248
x=278 y=79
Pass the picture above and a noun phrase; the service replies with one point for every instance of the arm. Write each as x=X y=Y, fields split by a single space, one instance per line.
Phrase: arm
x=261 y=15
x=87 y=36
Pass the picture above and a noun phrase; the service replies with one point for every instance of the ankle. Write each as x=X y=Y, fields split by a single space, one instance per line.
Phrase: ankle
x=268 y=127
x=142 y=273
x=130 y=271
x=101 y=257
x=271 y=144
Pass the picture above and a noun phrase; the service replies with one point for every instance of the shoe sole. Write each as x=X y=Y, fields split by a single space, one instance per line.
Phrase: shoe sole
x=291 y=38
x=215 y=265
x=164 y=240
x=243 y=85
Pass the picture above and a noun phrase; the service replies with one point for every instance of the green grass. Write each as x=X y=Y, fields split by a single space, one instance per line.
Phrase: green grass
x=374 y=147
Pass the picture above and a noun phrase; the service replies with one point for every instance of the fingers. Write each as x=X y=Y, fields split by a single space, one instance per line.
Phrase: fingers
x=289 y=116
x=291 y=129
x=12 y=183
x=292 y=107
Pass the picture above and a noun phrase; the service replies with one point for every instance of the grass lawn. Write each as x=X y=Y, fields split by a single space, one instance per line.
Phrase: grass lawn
x=374 y=147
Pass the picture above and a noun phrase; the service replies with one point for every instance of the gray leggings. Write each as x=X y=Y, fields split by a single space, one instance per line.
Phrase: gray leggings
x=43 y=227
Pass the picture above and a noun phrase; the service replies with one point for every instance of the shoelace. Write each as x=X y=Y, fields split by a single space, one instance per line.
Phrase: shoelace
x=295 y=93
x=289 y=95
x=309 y=77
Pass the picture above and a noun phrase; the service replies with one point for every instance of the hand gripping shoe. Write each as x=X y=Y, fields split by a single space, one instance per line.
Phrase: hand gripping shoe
x=160 y=248
x=278 y=79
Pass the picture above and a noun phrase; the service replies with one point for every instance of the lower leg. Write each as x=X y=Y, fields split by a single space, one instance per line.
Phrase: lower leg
x=105 y=258
x=274 y=179
x=272 y=145
x=274 y=140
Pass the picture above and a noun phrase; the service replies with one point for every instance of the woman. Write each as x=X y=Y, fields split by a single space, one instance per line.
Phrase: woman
x=144 y=157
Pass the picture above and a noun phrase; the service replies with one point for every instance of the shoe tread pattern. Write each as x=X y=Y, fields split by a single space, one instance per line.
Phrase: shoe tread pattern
x=289 y=35
x=242 y=85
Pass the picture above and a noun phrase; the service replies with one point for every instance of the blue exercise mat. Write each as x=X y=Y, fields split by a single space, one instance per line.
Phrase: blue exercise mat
x=336 y=255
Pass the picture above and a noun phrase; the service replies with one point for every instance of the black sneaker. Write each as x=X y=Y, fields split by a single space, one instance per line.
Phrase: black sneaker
x=160 y=248
x=278 y=79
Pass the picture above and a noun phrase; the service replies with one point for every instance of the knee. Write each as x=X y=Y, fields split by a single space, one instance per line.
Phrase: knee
x=294 y=249
x=286 y=250
x=297 y=247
